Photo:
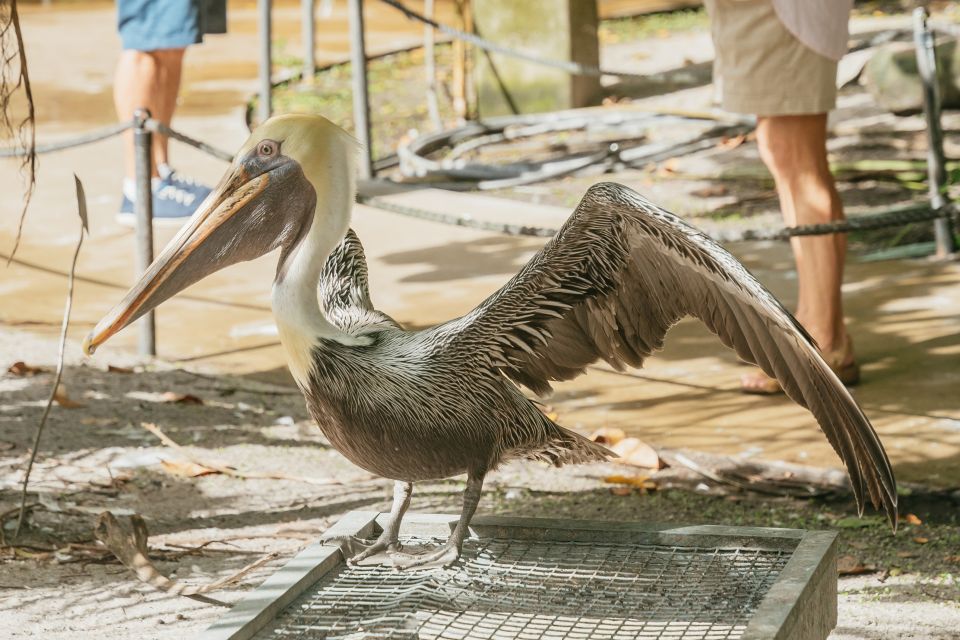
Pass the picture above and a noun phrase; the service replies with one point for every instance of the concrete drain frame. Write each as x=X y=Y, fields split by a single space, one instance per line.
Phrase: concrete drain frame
x=532 y=578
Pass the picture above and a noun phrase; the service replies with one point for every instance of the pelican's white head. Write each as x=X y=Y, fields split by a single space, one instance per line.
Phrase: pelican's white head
x=291 y=186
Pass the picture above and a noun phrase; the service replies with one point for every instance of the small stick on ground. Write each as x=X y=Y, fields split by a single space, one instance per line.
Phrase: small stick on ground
x=26 y=130
x=130 y=547
x=84 y=229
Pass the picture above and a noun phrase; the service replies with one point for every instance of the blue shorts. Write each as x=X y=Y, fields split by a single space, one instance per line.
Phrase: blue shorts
x=148 y=25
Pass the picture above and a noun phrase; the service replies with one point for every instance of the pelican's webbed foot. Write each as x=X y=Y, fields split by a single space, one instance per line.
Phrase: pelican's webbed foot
x=450 y=551
x=356 y=550
x=438 y=558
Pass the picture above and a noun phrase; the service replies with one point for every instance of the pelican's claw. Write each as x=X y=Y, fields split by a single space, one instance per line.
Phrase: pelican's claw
x=442 y=557
x=356 y=550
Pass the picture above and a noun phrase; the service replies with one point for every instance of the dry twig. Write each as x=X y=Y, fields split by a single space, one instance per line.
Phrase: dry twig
x=15 y=76
x=130 y=547
x=82 y=212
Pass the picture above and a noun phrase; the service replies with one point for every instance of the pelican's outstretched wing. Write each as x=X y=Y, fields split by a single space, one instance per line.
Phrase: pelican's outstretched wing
x=617 y=276
x=344 y=293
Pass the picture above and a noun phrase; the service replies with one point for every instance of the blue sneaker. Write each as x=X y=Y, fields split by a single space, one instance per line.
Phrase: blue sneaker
x=174 y=200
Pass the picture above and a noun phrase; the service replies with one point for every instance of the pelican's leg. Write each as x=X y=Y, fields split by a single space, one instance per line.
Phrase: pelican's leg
x=450 y=551
x=358 y=549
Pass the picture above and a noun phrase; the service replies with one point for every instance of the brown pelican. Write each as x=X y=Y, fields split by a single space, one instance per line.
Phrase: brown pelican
x=422 y=405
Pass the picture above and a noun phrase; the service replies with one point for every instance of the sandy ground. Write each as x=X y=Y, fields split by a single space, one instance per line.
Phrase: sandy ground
x=218 y=346
x=98 y=456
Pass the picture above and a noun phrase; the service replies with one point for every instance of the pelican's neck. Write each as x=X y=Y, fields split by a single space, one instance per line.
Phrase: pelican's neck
x=296 y=310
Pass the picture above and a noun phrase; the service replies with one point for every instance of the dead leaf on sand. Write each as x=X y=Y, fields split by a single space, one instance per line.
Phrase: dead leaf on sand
x=62 y=398
x=180 y=398
x=921 y=540
x=187 y=468
x=608 y=436
x=643 y=483
x=6 y=446
x=731 y=142
x=852 y=566
x=912 y=519
x=23 y=370
x=710 y=191
x=115 y=369
x=637 y=453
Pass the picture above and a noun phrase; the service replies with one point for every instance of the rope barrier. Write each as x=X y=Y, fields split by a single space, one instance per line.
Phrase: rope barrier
x=866 y=222
x=158 y=127
x=574 y=68
x=78 y=141
x=891 y=218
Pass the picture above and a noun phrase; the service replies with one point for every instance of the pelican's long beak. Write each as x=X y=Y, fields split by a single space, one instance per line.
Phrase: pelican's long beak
x=212 y=239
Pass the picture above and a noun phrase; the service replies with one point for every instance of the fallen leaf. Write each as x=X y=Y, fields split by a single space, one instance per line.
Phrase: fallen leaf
x=186 y=468
x=953 y=559
x=640 y=482
x=637 y=453
x=114 y=369
x=851 y=566
x=24 y=370
x=608 y=436
x=912 y=519
x=921 y=540
x=621 y=491
x=181 y=398
x=710 y=191
x=671 y=165
x=732 y=142
x=6 y=446
x=62 y=398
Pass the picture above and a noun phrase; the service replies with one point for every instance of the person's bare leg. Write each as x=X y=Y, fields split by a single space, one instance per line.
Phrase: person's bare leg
x=148 y=79
x=794 y=150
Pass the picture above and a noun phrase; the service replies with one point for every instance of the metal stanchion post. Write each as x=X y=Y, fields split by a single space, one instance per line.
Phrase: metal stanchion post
x=309 y=41
x=143 y=210
x=361 y=98
x=936 y=162
x=266 y=59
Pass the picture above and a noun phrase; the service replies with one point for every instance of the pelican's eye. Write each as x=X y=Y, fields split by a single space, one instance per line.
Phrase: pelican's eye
x=268 y=148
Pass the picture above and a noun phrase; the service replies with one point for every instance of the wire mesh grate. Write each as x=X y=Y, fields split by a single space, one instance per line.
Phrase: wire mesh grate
x=525 y=589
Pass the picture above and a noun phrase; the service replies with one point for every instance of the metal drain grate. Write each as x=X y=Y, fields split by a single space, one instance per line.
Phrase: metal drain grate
x=525 y=578
x=530 y=589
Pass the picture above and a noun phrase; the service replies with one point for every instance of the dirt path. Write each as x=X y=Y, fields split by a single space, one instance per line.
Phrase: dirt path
x=99 y=457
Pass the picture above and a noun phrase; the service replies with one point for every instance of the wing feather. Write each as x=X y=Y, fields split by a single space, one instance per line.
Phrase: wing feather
x=619 y=274
x=344 y=292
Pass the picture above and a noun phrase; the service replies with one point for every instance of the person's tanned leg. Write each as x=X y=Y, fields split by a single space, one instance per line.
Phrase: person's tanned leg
x=148 y=79
x=794 y=149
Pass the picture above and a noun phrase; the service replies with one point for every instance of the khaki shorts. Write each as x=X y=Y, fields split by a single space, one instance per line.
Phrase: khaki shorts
x=762 y=68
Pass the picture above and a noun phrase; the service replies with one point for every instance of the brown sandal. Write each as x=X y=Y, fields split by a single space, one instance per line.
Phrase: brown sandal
x=840 y=361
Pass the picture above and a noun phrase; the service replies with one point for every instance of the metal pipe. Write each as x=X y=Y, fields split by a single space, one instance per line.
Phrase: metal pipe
x=936 y=162
x=430 y=67
x=143 y=212
x=361 y=96
x=266 y=59
x=309 y=41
